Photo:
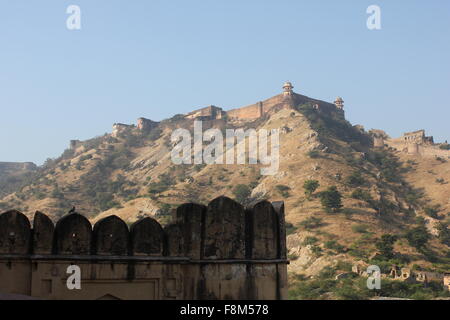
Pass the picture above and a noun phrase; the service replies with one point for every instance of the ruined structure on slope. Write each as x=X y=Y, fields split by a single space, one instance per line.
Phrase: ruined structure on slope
x=144 y=124
x=406 y=275
x=413 y=143
x=121 y=128
x=219 y=251
x=208 y=113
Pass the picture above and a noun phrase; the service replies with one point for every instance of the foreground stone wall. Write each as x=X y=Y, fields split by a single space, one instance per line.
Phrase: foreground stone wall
x=219 y=251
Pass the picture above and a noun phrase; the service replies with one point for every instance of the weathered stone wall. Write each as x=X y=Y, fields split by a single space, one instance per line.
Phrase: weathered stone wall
x=219 y=251
x=207 y=113
x=420 y=149
x=16 y=167
x=281 y=101
x=253 y=111
x=413 y=143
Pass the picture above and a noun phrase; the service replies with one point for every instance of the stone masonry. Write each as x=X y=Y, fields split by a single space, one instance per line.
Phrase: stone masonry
x=219 y=251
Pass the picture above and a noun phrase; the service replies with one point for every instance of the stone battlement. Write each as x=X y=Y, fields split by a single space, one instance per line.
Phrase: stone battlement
x=219 y=251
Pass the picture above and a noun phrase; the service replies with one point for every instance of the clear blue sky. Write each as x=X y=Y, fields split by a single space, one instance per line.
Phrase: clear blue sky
x=157 y=58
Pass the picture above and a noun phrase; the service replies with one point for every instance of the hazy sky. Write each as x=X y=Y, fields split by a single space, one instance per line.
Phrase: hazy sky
x=159 y=58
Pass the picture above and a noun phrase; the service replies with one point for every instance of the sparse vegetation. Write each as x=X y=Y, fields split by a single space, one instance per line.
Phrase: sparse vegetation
x=432 y=211
x=310 y=241
x=441 y=160
x=355 y=288
x=385 y=245
x=361 y=194
x=290 y=228
x=360 y=228
x=443 y=233
x=241 y=193
x=355 y=180
x=160 y=186
x=311 y=223
x=283 y=190
x=418 y=237
x=313 y=154
x=334 y=245
x=310 y=186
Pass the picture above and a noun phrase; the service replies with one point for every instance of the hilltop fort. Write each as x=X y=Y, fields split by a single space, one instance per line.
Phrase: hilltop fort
x=413 y=143
x=288 y=99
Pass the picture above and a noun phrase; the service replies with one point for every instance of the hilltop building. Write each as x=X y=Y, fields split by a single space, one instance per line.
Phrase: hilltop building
x=288 y=99
x=339 y=103
x=413 y=143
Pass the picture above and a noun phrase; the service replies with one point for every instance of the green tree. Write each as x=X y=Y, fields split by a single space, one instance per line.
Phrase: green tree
x=443 y=233
x=386 y=245
x=418 y=237
x=241 y=193
x=311 y=223
x=310 y=187
x=283 y=190
x=355 y=180
x=331 y=199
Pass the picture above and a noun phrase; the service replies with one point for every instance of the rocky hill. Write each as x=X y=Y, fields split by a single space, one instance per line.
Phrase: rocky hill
x=385 y=190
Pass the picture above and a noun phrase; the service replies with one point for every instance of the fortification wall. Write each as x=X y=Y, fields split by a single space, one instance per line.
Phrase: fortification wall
x=211 y=113
x=253 y=111
x=421 y=149
x=262 y=108
x=433 y=151
x=219 y=251
x=9 y=167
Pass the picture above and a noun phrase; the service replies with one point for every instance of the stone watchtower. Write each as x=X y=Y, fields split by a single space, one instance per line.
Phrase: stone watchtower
x=288 y=89
x=339 y=103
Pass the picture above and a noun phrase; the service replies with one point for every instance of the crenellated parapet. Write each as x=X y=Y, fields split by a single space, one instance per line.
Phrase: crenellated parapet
x=218 y=251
